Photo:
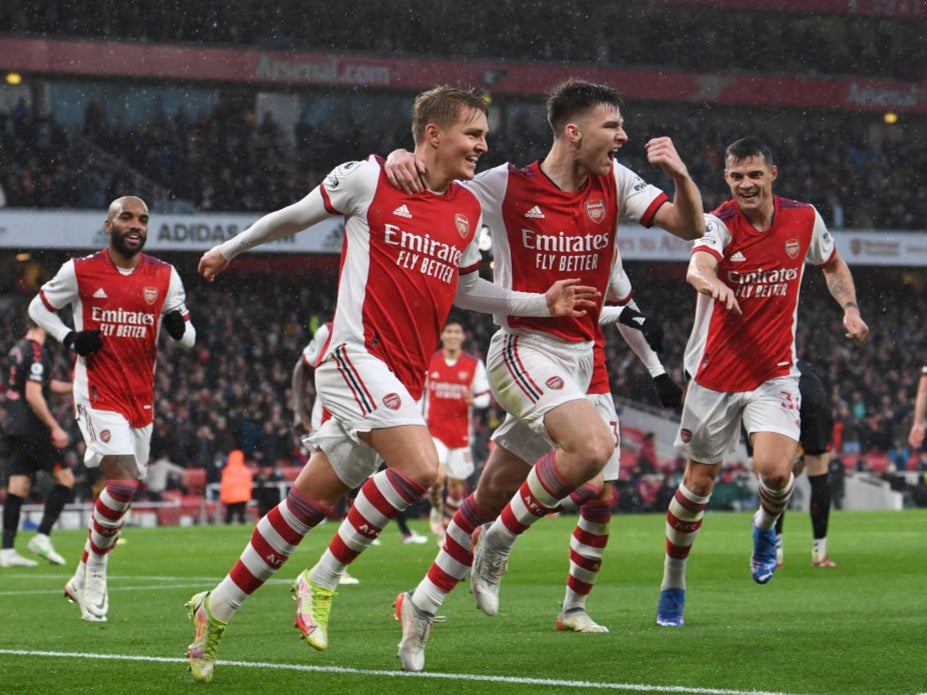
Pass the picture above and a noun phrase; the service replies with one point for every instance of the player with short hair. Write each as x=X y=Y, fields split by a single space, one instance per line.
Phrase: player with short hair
x=120 y=298
x=36 y=442
x=405 y=260
x=554 y=217
x=457 y=383
x=747 y=271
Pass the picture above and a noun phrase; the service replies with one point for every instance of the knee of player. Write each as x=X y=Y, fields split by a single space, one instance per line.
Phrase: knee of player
x=423 y=471
x=595 y=449
x=775 y=475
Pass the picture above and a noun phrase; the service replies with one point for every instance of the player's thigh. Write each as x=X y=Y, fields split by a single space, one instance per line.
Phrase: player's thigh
x=578 y=429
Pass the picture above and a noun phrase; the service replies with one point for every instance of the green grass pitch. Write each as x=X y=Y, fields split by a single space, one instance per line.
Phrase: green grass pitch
x=860 y=628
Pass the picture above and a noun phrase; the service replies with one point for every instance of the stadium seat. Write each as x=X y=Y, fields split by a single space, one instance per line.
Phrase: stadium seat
x=195 y=481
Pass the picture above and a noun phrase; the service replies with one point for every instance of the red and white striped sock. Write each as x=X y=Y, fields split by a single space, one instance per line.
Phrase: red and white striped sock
x=381 y=498
x=683 y=520
x=773 y=503
x=109 y=513
x=587 y=545
x=451 y=504
x=537 y=497
x=453 y=561
x=274 y=539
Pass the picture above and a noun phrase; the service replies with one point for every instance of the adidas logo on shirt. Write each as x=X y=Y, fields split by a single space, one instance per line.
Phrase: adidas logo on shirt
x=402 y=211
x=738 y=257
x=100 y=294
x=535 y=213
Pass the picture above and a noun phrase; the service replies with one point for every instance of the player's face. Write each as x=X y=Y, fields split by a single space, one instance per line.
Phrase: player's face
x=452 y=337
x=602 y=135
x=463 y=143
x=750 y=181
x=128 y=227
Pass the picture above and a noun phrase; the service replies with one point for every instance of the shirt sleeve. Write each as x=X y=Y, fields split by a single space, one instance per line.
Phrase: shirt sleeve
x=279 y=224
x=822 y=248
x=639 y=200
x=479 y=387
x=56 y=294
x=476 y=294
x=717 y=237
x=176 y=296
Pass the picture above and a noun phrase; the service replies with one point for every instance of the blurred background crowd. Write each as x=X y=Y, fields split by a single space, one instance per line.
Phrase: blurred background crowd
x=209 y=148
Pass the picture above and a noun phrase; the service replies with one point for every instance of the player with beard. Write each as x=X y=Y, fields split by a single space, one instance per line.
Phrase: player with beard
x=119 y=299
x=741 y=355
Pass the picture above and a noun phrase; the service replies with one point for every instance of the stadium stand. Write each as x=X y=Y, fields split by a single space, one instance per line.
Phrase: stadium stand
x=209 y=147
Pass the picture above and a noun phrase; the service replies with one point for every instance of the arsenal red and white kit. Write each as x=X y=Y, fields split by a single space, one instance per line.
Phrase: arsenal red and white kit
x=126 y=306
x=542 y=234
x=400 y=263
x=732 y=353
x=446 y=411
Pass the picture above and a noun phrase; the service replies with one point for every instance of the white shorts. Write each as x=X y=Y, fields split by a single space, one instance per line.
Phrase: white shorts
x=362 y=394
x=532 y=374
x=530 y=446
x=107 y=433
x=711 y=420
x=605 y=407
x=352 y=460
x=458 y=463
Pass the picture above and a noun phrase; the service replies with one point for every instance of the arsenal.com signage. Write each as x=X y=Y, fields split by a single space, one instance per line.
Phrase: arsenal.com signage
x=81 y=232
x=193 y=63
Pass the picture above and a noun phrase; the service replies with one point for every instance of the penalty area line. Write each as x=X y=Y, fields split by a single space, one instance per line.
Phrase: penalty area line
x=548 y=682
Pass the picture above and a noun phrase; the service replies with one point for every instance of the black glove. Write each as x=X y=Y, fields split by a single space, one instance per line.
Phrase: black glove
x=652 y=331
x=84 y=342
x=670 y=395
x=174 y=323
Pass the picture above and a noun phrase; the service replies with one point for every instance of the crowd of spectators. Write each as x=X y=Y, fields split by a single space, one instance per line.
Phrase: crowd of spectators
x=233 y=390
x=859 y=177
x=624 y=33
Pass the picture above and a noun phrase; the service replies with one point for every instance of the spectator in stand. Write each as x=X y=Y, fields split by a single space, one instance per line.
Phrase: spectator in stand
x=163 y=474
x=235 y=490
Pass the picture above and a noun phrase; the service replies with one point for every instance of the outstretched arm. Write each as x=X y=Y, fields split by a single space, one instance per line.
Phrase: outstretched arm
x=564 y=298
x=272 y=226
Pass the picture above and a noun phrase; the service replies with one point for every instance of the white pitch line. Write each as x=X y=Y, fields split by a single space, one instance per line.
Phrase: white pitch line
x=556 y=683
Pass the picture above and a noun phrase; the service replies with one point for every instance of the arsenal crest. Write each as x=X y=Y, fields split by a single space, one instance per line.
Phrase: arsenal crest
x=463 y=225
x=555 y=383
x=150 y=294
x=595 y=210
x=392 y=401
x=792 y=247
